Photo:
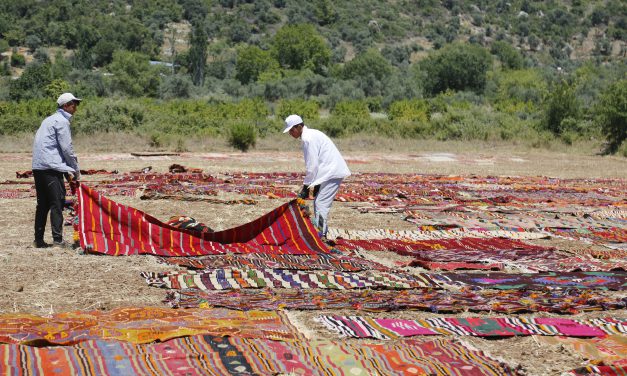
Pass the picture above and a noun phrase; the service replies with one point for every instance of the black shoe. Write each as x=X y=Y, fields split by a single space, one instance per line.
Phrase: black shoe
x=37 y=244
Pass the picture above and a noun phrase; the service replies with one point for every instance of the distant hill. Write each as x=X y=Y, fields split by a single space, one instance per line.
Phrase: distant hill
x=546 y=32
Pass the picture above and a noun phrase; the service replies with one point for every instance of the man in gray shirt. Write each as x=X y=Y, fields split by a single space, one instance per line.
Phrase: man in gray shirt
x=54 y=158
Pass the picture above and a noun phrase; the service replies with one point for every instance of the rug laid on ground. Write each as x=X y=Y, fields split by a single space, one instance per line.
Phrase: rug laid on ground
x=210 y=355
x=232 y=278
x=609 y=350
x=260 y=260
x=534 y=281
x=142 y=325
x=556 y=301
x=599 y=371
x=391 y=328
x=110 y=228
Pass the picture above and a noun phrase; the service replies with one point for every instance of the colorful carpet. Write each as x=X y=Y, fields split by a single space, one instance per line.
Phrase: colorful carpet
x=434 y=234
x=536 y=281
x=569 y=264
x=599 y=371
x=209 y=355
x=110 y=228
x=461 y=244
x=609 y=350
x=440 y=301
x=389 y=328
x=224 y=279
x=142 y=325
x=261 y=260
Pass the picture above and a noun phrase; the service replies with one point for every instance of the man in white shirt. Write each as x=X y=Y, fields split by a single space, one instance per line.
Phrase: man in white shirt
x=53 y=158
x=325 y=168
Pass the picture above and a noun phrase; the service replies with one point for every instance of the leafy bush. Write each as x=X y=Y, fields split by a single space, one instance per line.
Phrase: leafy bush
x=409 y=110
x=510 y=57
x=611 y=114
x=456 y=67
x=351 y=109
x=17 y=60
x=242 y=136
x=561 y=103
x=308 y=110
x=301 y=47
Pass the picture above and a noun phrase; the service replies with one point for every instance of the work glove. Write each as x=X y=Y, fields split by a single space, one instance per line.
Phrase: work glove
x=316 y=190
x=304 y=193
x=77 y=176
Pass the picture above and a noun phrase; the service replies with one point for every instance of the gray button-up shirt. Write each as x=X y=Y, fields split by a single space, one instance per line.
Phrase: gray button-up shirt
x=52 y=148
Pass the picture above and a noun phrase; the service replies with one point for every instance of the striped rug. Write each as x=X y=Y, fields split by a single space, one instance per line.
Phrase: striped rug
x=391 y=328
x=209 y=355
x=110 y=228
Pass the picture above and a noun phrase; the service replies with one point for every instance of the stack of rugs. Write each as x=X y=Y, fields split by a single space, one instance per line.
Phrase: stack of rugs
x=474 y=249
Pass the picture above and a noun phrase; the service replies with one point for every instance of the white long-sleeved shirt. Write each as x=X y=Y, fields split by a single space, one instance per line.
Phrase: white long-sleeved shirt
x=52 y=148
x=323 y=161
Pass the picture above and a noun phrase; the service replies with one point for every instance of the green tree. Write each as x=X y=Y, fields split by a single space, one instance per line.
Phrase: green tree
x=368 y=63
x=252 y=61
x=132 y=74
x=561 y=107
x=456 y=67
x=510 y=57
x=198 y=52
x=301 y=47
x=32 y=82
x=611 y=114
x=56 y=88
x=325 y=12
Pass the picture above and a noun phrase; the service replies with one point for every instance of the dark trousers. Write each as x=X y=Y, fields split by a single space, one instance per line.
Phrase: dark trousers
x=50 y=189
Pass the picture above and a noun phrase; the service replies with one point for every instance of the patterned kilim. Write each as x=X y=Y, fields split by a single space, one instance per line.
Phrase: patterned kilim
x=386 y=328
x=448 y=265
x=461 y=244
x=260 y=260
x=558 y=301
x=113 y=229
x=609 y=350
x=209 y=355
x=224 y=279
x=456 y=233
x=142 y=325
x=570 y=264
x=506 y=281
x=599 y=371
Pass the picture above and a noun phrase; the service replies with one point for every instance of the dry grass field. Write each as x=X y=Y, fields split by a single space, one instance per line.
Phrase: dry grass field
x=51 y=281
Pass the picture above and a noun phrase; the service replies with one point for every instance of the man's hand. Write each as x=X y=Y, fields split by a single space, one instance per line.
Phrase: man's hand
x=304 y=193
x=76 y=176
x=316 y=190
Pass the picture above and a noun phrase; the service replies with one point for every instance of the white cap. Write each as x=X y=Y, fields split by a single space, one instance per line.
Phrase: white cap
x=291 y=121
x=67 y=97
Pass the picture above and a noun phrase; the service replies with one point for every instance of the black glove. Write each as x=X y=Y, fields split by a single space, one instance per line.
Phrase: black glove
x=304 y=193
x=316 y=190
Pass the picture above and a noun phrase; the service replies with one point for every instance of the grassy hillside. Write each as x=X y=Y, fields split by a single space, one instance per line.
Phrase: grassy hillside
x=446 y=69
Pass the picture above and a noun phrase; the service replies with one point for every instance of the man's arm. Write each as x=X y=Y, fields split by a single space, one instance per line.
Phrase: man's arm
x=64 y=138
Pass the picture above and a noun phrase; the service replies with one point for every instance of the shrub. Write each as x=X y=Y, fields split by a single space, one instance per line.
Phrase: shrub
x=17 y=60
x=308 y=110
x=351 y=109
x=409 y=110
x=510 y=57
x=456 y=67
x=242 y=136
x=611 y=115
x=560 y=103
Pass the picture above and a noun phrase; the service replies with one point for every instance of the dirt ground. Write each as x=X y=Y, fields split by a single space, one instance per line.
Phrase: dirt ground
x=51 y=281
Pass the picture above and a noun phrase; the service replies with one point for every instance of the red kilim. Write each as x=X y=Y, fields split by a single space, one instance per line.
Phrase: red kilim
x=110 y=228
